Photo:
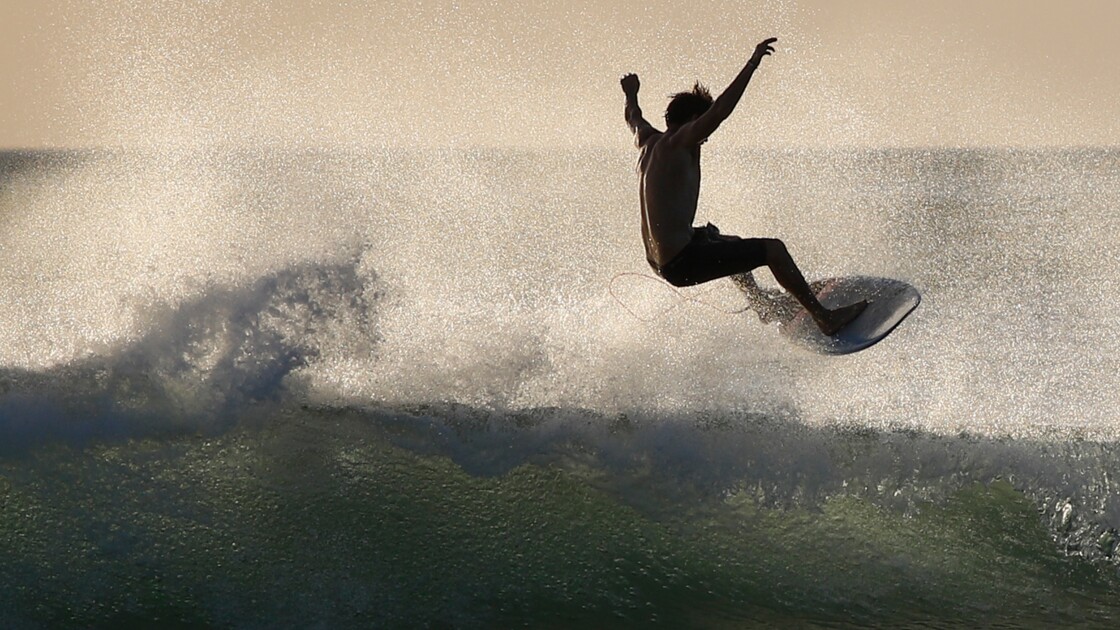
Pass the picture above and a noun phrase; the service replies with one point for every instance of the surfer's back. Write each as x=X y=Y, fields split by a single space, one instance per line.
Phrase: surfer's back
x=669 y=189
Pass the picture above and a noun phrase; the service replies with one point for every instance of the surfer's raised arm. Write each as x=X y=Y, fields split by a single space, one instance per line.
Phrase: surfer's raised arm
x=638 y=124
x=698 y=130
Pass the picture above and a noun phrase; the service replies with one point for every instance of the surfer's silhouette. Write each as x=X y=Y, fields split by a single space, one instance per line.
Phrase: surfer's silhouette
x=669 y=187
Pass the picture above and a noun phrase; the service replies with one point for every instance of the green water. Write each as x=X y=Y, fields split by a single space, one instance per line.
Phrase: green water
x=319 y=518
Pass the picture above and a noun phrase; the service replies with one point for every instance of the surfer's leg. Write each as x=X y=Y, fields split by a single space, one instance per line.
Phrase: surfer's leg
x=768 y=304
x=789 y=276
x=758 y=301
x=764 y=303
x=747 y=284
x=711 y=255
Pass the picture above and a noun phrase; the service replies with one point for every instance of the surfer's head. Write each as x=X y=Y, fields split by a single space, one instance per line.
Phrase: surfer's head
x=684 y=106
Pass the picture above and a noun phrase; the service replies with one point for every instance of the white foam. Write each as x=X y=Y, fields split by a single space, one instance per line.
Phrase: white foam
x=495 y=273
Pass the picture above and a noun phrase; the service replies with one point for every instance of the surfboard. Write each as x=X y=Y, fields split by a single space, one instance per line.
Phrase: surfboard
x=889 y=302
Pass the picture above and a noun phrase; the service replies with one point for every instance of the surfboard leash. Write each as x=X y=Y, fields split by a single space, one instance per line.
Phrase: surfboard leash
x=681 y=297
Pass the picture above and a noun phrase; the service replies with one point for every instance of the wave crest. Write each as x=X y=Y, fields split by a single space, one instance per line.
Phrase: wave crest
x=198 y=363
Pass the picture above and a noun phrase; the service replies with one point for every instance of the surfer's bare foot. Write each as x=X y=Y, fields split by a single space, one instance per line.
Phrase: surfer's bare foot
x=841 y=317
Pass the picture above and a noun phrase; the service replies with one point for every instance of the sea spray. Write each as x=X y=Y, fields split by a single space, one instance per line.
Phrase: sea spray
x=394 y=386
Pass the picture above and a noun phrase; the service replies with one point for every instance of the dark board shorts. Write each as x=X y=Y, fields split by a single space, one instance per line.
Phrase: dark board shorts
x=710 y=255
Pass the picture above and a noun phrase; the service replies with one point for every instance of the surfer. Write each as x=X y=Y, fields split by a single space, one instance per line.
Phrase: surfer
x=669 y=188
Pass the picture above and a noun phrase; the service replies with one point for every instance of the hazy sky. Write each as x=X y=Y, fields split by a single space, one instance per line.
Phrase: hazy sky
x=532 y=73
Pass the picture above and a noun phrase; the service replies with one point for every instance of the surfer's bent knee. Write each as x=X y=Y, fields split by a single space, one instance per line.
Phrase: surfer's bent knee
x=773 y=246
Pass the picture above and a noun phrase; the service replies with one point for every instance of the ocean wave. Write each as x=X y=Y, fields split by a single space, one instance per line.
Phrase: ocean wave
x=479 y=346
x=712 y=457
x=198 y=363
x=396 y=517
x=211 y=362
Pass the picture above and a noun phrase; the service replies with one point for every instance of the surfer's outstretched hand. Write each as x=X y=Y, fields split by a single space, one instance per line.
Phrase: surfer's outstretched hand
x=764 y=48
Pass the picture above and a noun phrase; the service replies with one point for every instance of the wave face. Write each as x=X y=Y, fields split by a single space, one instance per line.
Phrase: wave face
x=438 y=382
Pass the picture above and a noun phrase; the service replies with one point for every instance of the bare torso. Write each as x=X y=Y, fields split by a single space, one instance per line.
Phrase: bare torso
x=669 y=188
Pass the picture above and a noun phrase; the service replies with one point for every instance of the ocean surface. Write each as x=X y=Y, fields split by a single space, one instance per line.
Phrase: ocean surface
x=259 y=388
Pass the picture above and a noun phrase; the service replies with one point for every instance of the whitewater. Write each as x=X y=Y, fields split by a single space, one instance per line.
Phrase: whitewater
x=440 y=387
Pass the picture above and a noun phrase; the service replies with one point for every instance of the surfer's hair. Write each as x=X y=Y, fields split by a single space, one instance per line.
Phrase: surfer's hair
x=684 y=106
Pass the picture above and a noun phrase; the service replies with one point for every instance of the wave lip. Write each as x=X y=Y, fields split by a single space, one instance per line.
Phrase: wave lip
x=197 y=366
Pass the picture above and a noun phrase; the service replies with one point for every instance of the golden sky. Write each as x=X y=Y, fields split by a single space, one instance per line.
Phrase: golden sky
x=529 y=73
